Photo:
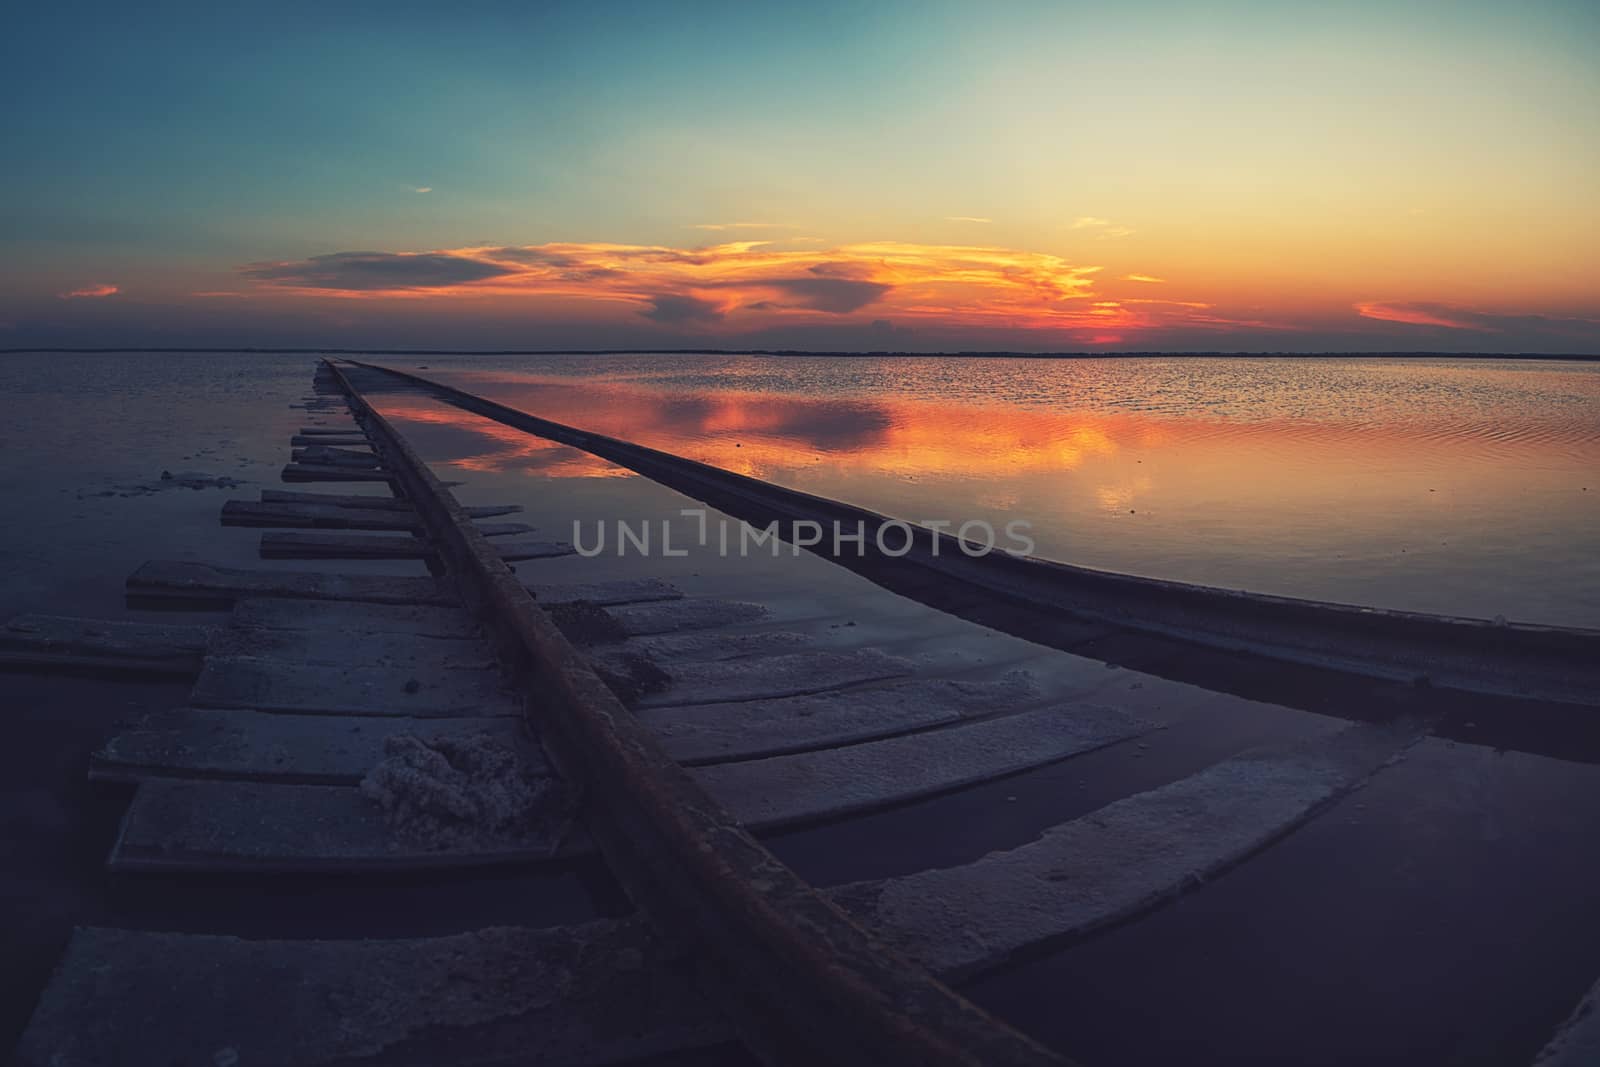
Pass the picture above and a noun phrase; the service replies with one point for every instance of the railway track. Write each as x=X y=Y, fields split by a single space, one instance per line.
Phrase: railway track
x=344 y=725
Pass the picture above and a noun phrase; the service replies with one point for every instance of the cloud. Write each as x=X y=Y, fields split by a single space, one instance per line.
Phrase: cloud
x=90 y=291
x=839 y=296
x=372 y=271
x=744 y=226
x=673 y=310
x=745 y=286
x=1103 y=227
x=1143 y=278
x=1419 y=314
x=840 y=269
x=966 y=218
x=1449 y=317
x=422 y=188
x=539 y=256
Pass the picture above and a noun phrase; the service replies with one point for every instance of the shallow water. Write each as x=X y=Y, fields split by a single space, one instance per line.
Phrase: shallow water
x=1456 y=486
x=1459 y=486
x=83 y=442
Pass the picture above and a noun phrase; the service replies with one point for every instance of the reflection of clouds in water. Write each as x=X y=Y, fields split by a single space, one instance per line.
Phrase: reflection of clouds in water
x=1234 y=484
x=559 y=462
x=468 y=442
x=829 y=426
x=1456 y=397
x=762 y=433
x=1119 y=498
x=644 y=415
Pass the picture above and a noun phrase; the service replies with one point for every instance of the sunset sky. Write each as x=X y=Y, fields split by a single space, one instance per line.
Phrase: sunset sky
x=919 y=176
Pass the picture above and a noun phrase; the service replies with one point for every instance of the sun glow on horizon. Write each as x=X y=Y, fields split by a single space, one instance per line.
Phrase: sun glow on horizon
x=731 y=289
x=1243 y=177
x=736 y=286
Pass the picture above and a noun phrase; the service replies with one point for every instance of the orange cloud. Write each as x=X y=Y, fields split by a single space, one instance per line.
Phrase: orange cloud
x=1423 y=315
x=91 y=291
x=1102 y=227
x=737 y=286
x=1479 y=321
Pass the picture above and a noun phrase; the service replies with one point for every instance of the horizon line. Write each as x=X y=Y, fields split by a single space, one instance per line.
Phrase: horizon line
x=842 y=354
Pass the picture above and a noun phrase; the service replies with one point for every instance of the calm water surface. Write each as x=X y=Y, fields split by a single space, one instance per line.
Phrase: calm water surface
x=1466 y=487
x=1457 y=486
x=83 y=441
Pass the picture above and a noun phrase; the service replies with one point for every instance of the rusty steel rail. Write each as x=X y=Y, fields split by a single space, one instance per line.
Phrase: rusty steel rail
x=801 y=982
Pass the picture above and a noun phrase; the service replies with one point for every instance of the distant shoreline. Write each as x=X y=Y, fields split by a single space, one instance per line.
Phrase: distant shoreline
x=1582 y=358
